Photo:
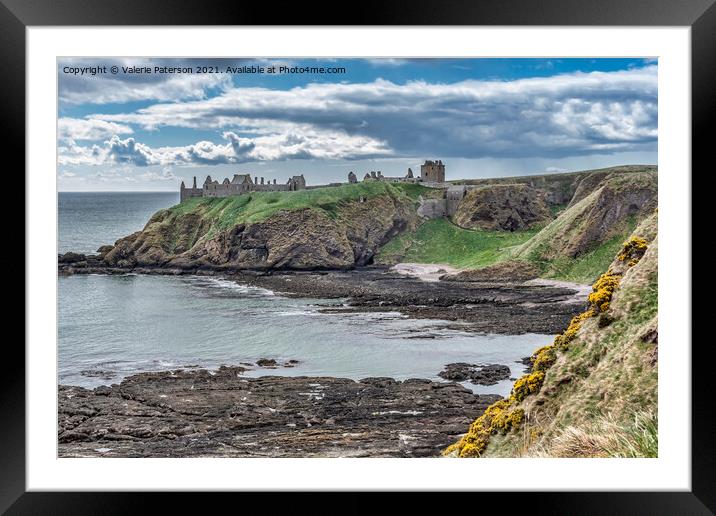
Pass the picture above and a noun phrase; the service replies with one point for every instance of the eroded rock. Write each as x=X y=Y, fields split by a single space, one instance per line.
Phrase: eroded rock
x=224 y=414
x=481 y=375
x=506 y=207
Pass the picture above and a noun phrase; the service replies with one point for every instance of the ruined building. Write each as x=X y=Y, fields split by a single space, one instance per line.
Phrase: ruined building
x=185 y=193
x=432 y=171
x=238 y=185
x=378 y=176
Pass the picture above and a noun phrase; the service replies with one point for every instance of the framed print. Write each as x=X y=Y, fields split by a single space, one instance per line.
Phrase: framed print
x=419 y=253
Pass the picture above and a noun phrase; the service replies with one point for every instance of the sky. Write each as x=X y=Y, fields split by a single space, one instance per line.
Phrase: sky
x=141 y=124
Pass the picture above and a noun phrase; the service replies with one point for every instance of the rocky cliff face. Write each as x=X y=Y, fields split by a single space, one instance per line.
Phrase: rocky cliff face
x=614 y=201
x=502 y=207
x=302 y=239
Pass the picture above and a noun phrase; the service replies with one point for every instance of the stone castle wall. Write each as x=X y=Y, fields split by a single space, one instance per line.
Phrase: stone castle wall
x=432 y=174
x=433 y=171
x=186 y=193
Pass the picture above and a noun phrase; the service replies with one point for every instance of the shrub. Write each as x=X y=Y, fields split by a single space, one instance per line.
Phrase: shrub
x=561 y=341
x=603 y=290
x=497 y=418
x=543 y=358
x=528 y=384
x=633 y=250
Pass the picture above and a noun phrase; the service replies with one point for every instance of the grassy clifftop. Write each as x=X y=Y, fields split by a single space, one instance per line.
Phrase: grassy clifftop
x=593 y=393
x=563 y=187
x=259 y=206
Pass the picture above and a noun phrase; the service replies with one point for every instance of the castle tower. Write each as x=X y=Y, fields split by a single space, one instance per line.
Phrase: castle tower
x=352 y=177
x=194 y=186
x=432 y=171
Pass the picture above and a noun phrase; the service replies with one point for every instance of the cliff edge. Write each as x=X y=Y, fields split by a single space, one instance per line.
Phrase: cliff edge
x=593 y=392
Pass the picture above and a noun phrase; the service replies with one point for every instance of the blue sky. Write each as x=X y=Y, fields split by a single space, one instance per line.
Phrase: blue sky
x=482 y=117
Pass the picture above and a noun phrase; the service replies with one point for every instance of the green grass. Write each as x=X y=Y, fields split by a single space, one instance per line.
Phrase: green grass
x=258 y=206
x=440 y=241
x=587 y=267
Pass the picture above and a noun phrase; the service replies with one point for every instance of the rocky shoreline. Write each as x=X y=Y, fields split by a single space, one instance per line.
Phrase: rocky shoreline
x=505 y=307
x=224 y=414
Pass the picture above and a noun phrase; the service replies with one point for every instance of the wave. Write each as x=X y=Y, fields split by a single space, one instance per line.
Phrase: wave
x=221 y=283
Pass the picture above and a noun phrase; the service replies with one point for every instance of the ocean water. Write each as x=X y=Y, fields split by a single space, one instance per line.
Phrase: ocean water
x=114 y=326
x=88 y=220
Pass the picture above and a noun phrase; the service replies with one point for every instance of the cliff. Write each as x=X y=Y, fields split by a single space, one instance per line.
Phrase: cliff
x=574 y=241
x=378 y=222
x=580 y=242
x=565 y=187
x=502 y=207
x=324 y=228
x=593 y=393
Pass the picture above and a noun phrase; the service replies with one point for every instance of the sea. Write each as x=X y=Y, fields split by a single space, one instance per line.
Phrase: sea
x=114 y=326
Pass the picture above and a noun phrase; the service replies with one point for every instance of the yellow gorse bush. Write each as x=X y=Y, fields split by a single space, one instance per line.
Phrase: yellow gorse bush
x=497 y=418
x=528 y=384
x=603 y=290
x=633 y=249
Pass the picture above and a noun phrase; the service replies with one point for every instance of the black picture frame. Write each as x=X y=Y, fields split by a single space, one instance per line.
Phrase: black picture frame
x=700 y=15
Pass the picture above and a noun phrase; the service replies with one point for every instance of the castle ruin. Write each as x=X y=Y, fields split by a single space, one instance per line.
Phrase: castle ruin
x=238 y=185
x=432 y=173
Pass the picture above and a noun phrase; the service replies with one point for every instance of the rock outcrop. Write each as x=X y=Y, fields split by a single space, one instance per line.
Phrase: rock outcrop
x=481 y=375
x=299 y=239
x=223 y=414
x=619 y=199
x=502 y=207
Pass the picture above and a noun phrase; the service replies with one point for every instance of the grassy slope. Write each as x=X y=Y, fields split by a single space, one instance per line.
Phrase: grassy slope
x=258 y=206
x=440 y=241
x=600 y=396
x=587 y=267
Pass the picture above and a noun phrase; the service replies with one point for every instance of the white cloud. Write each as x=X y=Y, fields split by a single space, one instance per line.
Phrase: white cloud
x=165 y=174
x=569 y=114
x=387 y=61
x=301 y=143
x=73 y=129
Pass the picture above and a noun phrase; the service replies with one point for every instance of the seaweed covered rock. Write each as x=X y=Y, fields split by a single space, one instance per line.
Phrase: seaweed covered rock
x=482 y=375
